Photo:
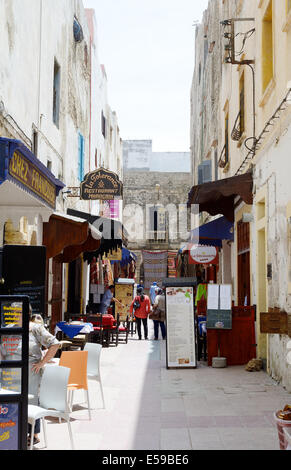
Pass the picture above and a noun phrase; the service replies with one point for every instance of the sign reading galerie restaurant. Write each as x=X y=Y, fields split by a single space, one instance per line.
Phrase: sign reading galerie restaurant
x=101 y=184
x=30 y=176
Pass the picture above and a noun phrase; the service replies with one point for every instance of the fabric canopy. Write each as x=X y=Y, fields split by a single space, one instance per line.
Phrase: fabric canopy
x=213 y=232
x=218 y=197
x=67 y=237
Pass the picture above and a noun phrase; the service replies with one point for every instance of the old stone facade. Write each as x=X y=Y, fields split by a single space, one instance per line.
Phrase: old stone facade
x=163 y=192
x=251 y=133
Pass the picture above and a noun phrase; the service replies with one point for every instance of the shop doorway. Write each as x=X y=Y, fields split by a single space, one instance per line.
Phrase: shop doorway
x=57 y=291
x=74 y=286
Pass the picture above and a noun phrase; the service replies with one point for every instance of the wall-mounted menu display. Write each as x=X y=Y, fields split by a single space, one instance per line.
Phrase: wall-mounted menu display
x=219 y=311
x=180 y=327
x=14 y=323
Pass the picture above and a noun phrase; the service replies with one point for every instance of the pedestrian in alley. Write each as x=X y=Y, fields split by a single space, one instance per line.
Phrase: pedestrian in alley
x=153 y=292
x=159 y=307
x=141 y=306
x=107 y=299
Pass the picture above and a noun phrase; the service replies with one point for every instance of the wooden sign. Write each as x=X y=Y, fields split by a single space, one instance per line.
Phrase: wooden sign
x=101 y=184
x=31 y=177
x=275 y=323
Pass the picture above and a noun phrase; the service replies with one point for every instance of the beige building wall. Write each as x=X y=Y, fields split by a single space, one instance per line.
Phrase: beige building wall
x=270 y=224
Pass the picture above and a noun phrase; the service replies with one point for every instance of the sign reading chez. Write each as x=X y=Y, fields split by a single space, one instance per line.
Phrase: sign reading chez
x=101 y=184
x=31 y=177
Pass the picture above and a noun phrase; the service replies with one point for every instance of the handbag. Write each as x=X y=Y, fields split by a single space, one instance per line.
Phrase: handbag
x=156 y=314
x=136 y=304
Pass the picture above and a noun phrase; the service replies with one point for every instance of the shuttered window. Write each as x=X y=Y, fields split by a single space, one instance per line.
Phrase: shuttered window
x=81 y=156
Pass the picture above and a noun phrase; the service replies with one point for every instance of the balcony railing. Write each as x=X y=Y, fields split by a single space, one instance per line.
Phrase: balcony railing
x=223 y=159
x=157 y=236
x=236 y=132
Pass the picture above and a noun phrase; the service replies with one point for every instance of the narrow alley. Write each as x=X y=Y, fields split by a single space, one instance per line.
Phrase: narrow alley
x=149 y=407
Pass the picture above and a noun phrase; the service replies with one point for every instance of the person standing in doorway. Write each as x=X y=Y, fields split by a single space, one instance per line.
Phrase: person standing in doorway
x=141 y=305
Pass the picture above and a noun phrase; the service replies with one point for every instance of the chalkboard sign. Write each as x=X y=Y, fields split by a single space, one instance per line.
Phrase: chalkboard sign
x=24 y=273
x=219 y=311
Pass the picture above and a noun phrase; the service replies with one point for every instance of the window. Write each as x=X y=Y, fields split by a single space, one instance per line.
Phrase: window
x=81 y=154
x=205 y=172
x=77 y=30
x=242 y=103
x=103 y=125
x=34 y=142
x=56 y=93
x=267 y=47
x=49 y=165
x=226 y=137
x=96 y=158
x=157 y=223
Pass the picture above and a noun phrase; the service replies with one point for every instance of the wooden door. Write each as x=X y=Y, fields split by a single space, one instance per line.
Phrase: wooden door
x=74 y=286
x=243 y=264
x=238 y=345
x=243 y=287
x=57 y=291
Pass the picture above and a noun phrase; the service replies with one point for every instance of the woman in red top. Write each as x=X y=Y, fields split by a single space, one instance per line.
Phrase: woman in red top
x=142 y=312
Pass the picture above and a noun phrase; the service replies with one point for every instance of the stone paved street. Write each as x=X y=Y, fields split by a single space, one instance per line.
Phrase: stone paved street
x=151 y=408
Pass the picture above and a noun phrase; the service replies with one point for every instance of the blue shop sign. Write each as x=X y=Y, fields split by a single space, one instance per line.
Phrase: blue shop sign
x=20 y=166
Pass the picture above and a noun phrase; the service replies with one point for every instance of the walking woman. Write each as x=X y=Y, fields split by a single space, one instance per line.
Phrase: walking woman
x=141 y=305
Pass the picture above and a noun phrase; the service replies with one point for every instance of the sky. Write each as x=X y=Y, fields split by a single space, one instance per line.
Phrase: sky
x=147 y=47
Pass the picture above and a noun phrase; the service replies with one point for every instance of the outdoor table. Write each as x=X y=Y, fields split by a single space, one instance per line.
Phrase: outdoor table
x=73 y=330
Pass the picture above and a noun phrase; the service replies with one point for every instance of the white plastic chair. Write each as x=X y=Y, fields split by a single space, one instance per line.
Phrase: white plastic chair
x=93 y=364
x=52 y=400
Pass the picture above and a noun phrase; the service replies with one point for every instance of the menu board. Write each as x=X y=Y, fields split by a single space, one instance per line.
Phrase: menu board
x=9 y=426
x=123 y=293
x=14 y=349
x=11 y=314
x=219 y=311
x=180 y=327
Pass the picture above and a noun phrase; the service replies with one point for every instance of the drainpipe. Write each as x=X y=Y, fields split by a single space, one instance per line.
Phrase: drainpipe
x=39 y=64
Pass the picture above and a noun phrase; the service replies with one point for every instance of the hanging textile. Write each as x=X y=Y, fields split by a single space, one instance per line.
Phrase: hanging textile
x=155 y=267
x=172 y=272
x=94 y=271
x=201 y=293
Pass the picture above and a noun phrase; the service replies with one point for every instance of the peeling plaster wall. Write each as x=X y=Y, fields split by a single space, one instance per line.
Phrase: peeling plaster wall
x=273 y=171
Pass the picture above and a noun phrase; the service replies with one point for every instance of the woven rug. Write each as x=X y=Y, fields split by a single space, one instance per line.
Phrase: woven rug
x=155 y=267
x=172 y=272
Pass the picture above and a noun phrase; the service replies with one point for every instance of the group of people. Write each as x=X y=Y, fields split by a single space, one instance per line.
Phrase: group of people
x=144 y=306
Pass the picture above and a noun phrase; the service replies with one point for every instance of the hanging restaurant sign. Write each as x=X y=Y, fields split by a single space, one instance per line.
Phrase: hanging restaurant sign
x=29 y=175
x=202 y=254
x=101 y=184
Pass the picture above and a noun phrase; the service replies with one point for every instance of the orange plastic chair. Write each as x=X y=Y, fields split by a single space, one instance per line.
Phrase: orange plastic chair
x=77 y=362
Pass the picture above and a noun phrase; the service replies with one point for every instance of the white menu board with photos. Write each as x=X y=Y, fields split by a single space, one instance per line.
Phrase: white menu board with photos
x=180 y=327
